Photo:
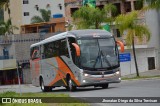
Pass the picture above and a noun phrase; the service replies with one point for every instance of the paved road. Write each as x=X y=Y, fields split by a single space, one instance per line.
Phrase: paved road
x=134 y=88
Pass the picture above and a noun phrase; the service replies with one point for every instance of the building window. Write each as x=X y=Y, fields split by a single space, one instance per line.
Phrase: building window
x=151 y=63
x=138 y=5
x=118 y=6
x=26 y=13
x=127 y=6
x=100 y=7
x=25 y=2
x=72 y=10
x=116 y=33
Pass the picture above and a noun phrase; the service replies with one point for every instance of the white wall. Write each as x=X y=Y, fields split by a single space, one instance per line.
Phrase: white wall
x=142 y=61
x=42 y=5
x=153 y=22
x=8 y=64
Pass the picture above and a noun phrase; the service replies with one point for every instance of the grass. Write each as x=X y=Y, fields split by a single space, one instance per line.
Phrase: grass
x=140 y=77
x=39 y=95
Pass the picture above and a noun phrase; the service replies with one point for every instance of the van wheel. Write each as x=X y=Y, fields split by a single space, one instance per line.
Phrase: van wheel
x=70 y=85
x=105 y=86
x=44 y=88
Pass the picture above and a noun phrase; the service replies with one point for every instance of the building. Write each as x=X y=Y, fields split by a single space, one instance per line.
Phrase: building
x=16 y=49
x=54 y=25
x=148 y=53
x=23 y=10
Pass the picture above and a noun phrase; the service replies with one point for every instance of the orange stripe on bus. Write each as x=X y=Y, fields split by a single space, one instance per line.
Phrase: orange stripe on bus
x=58 y=77
x=63 y=69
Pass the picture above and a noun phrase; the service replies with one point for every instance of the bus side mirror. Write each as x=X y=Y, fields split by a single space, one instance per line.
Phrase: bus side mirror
x=121 y=45
x=77 y=49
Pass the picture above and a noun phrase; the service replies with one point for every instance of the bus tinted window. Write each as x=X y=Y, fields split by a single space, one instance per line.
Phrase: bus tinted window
x=64 y=49
x=35 y=53
x=56 y=48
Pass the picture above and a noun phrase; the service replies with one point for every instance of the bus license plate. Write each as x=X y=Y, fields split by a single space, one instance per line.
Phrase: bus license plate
x=103 y=81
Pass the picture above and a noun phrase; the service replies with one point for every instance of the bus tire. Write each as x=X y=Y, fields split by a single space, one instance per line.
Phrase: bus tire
x=70 y=85
x=104 y=86
x=44 y=88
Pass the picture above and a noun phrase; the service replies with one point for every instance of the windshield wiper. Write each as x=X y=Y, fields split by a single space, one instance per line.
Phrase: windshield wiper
x=106 y=60
x=99 y=55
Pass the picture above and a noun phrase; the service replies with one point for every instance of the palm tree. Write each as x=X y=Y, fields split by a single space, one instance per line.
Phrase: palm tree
x=5 y=4
x=153 y=4
x=6 y=27
x=1 y=15
x=134 y=29
x=89 y=17
x=45 y=16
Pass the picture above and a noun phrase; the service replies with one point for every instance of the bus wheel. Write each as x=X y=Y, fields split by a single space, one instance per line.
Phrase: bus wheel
x=70 y=86
x=105 y=86
x=44 y=88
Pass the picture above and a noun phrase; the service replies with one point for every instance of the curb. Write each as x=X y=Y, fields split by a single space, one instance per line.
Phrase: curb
x=141 y=79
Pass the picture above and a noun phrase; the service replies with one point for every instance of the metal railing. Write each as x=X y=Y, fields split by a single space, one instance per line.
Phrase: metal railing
x=6 y=57
x=5 y=39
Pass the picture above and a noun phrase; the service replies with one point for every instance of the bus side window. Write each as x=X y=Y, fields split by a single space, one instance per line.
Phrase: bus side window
x=73 y=51
x=63 y=48
x=51 y=49
x=35 y=53
x=42 y=51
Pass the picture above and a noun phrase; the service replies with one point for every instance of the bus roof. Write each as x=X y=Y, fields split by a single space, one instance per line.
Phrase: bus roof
x=74 y=33
x=81 y=33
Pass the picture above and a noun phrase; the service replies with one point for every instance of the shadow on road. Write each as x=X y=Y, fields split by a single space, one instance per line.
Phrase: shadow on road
x=81 y=89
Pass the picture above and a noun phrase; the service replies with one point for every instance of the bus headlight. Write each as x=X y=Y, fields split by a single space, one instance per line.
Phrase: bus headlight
x=84 y=80
x=117 y=72
x=85 y=75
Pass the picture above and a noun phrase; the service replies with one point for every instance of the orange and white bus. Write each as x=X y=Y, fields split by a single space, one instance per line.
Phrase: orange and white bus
x=76 y=59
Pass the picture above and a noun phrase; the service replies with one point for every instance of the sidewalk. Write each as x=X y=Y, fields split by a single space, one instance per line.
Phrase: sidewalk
x=150 y=73
x=15 y=86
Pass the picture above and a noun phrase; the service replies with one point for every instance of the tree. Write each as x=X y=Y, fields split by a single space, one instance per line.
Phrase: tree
x=45 y=16
x=1 y=15
x=88 y=17
x=153 y=4
x=5 y=4
x=6 y=27
x=129 y=23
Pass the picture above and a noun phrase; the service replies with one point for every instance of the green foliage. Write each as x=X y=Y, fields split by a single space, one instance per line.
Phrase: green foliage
x=6 y=27
x=67 y=98
x=151 y=4
x=8 y=94
x=130 y=24
x=4 y=3
x=45 y=16
x=89 y=17
x=154 y=4
x=1 y=15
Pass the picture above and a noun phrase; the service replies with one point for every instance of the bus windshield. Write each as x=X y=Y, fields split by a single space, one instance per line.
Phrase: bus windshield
x=98 y=53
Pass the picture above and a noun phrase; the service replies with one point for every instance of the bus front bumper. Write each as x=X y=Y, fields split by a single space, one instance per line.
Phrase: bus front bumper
x=93 y=80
